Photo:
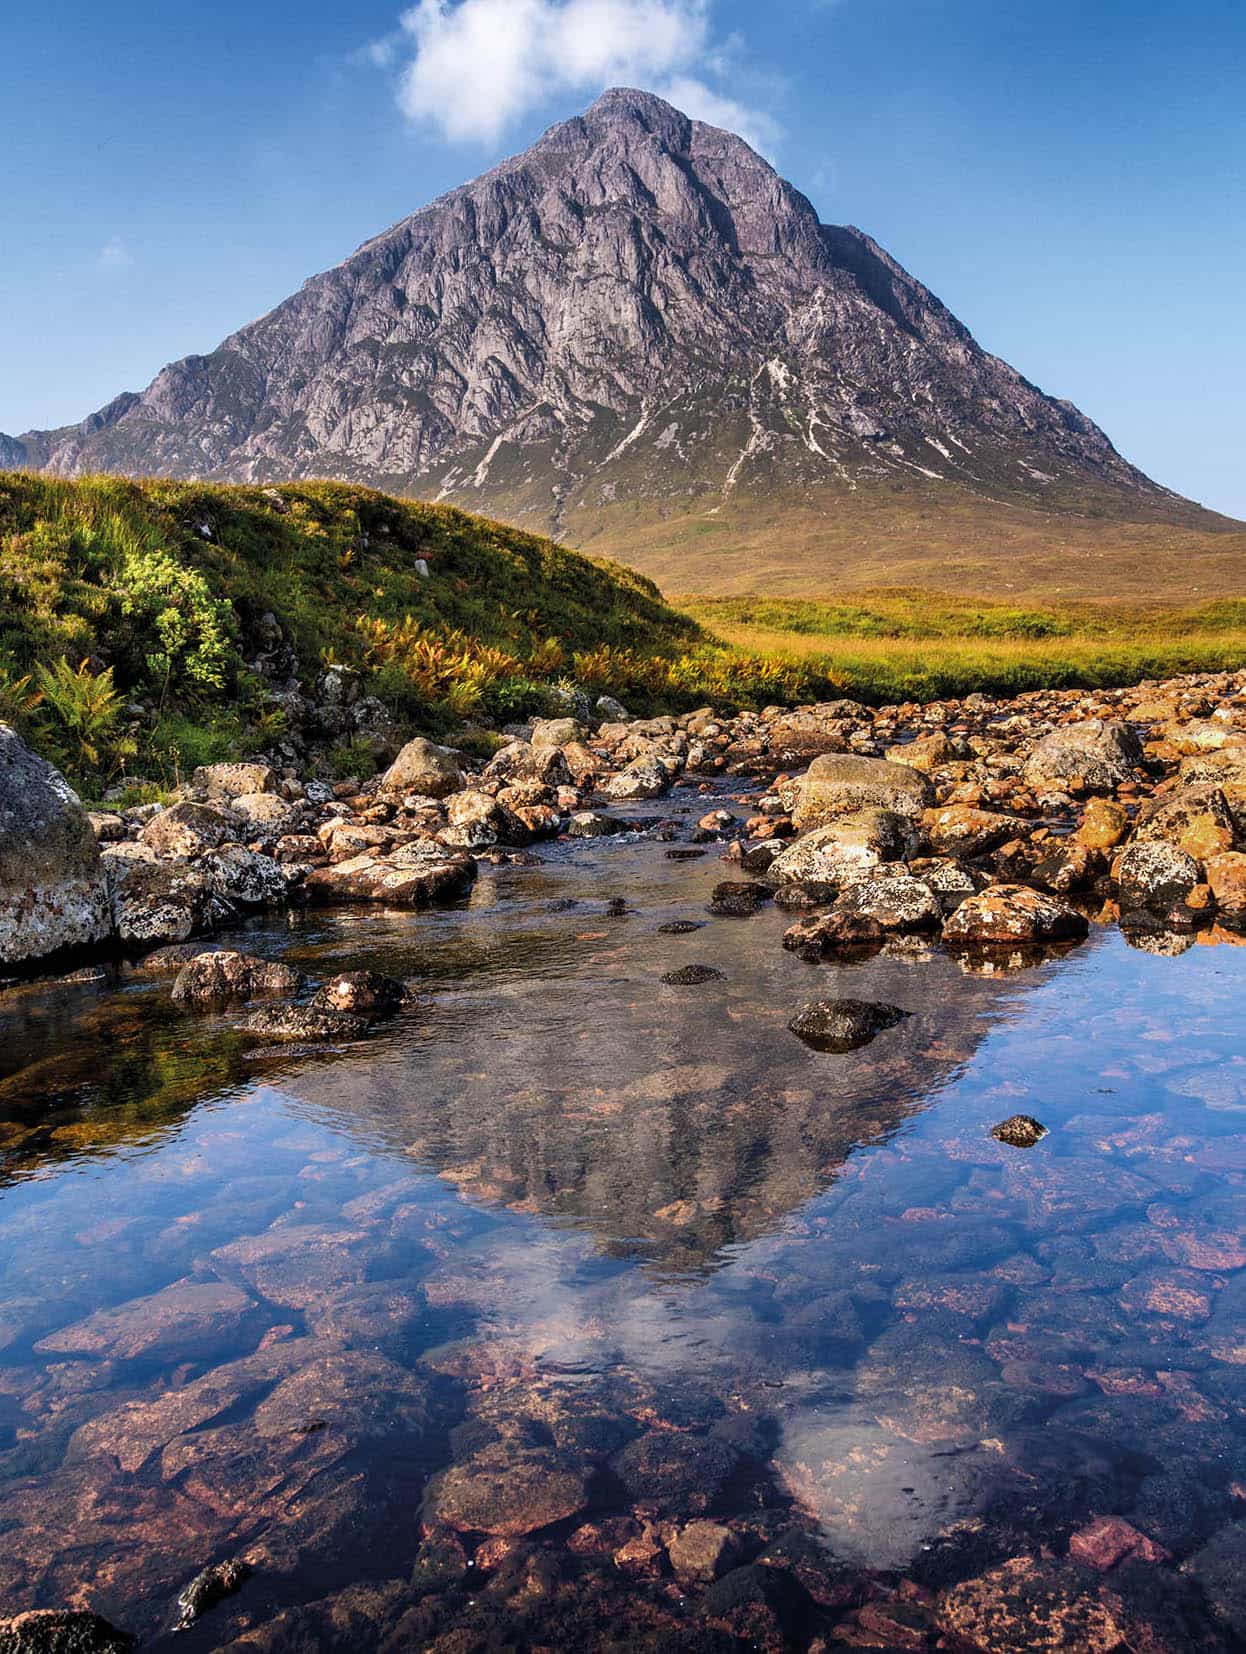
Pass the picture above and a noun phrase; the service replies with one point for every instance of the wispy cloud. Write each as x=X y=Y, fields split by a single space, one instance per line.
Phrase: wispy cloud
x=473 y=68
x=114 y=255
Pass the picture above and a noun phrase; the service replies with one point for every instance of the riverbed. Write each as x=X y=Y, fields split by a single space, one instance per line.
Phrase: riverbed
x=457 y=1330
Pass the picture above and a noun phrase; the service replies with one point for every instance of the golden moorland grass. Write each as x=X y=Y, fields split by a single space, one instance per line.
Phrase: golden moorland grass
x=904 y=644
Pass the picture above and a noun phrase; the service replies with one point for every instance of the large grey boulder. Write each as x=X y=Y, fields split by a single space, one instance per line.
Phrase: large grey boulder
x=846 y=848
x=53 y=893
x=1097 y=756
x=424 y=769
x=838 y=784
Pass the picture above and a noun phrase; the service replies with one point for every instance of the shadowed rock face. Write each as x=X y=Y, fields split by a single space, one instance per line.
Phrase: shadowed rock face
x=638 y=307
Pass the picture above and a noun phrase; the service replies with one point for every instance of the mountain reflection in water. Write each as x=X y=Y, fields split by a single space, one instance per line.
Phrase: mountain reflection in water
x=571 y=1214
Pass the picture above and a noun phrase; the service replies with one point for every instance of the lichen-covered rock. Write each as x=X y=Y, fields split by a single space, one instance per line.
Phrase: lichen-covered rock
x=424 y=769
x=1028 y=1605
x=1196 y=819
x=846 y=848
x=900 y=903
x=160 y=902
x=838 y=784
x=234 y=780
x=416 y=875
x=1093 y=756
x=962 y=830
x=364 y=993
x=642 y=778
x=1019 y=1131
x=303 y=1024
x=234 y=978
x=186 y=830
x=1155 y=876
x=53 y=890
x=557 y=732
x=1007 y=913
x=521 y=761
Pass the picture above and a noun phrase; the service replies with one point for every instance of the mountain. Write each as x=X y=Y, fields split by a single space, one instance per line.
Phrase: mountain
x=638 y=337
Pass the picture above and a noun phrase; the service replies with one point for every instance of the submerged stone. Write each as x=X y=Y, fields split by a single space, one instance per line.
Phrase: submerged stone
x=208 y=1588
x=692 y=976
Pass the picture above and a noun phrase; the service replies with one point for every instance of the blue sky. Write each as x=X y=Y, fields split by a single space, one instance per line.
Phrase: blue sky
x=1069 y=176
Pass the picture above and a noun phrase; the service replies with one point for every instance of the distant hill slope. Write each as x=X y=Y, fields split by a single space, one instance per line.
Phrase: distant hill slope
x=638 y=338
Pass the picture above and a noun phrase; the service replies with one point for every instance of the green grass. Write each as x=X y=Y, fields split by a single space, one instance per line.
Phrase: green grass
x=153 y=597
x=897 y=645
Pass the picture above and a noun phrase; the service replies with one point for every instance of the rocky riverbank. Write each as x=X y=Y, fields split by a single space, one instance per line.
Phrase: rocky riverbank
x=1001 y=825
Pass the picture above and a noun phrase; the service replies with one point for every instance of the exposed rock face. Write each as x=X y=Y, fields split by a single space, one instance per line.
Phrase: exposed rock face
x=638 y=308
x=53 y=893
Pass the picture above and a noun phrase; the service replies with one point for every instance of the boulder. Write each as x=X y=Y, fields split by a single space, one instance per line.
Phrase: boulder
x=644 y=777
x=839 y=784
x=53 y=890
x=234 y=780
x=962 y=830
x=233 y=978
x=477 y=820
x=187 y=830
x=414 y=876
x=900 y=903
x=423 y=768
x=1196 y=819
x=521 y=761
x=1104 y=824
x=1007 y=913
x=363 y=993
x=262 y=810
x=846 y=847
x=158 y=902
x=1227 y=877
x=1094 y=757
x=303 y=1025
x=557 y=732
x=1155 y=876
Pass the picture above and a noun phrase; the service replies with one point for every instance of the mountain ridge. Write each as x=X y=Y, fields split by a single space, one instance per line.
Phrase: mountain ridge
x=634 y=335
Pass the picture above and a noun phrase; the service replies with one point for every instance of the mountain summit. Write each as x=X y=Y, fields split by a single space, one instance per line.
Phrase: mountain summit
x=636 y=335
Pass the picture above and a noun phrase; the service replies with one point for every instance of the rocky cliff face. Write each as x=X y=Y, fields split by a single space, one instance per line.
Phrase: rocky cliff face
x=637 y=312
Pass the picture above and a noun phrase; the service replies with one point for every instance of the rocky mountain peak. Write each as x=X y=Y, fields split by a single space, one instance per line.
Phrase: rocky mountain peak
x=635 y=322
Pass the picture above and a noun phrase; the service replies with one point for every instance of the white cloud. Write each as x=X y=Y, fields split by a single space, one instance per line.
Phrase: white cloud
x=477 y=66
x=700 y=101
x=113 y=255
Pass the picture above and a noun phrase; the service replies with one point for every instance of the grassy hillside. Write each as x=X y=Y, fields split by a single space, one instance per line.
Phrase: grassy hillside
x=897 y=645
x=129 y=613
x=916 y=533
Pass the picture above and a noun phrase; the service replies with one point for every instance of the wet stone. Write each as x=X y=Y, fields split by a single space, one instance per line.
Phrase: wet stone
x=842 y=1025
x=692 y=976
x=680 y=927
x=304 y=1025
x=738 y=901
x=1027 y=1605
x=509 y=1493
x=233 y=978
x=363 y=993
x=668 y=1470
x=208 y=1588
x=1019 y=1131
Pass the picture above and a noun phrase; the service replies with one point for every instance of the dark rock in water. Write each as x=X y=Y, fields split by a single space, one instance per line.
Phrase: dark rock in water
x=758 y=858
x=507 y=1492
x=168 y=961
x=680 y=927
x=363 y=993
x=233 y=978
x=1021 y=1131
x=1220 y=1569
x=672 y=1471
x=298 y=1024
x=738 y=901
x=684 y=855
x=803 y=897
x=208 y=1588
x=843 y=1024
x=692 y=976
x=616 y=907
x=1031 y=1604
x=61 y=1631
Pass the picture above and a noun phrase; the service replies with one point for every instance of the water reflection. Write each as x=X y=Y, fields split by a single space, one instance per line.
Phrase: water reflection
x=635 y=1242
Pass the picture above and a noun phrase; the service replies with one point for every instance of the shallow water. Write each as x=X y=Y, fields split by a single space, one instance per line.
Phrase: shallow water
x=250 y=1305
